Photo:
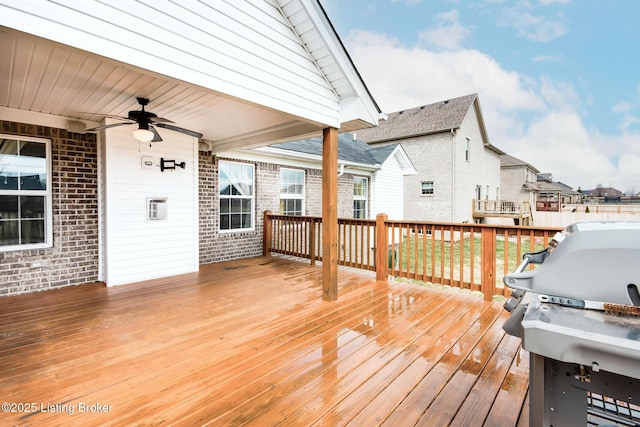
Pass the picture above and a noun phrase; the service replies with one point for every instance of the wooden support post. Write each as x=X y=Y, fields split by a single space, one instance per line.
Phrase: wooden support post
x=488 y=257
x=266 y=233
x=330 y=214
x=382 y=247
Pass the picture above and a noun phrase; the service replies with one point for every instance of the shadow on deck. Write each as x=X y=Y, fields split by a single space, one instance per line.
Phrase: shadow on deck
x=251 y=341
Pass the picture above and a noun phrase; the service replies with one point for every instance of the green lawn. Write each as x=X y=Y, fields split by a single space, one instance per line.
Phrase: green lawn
x=435 y=256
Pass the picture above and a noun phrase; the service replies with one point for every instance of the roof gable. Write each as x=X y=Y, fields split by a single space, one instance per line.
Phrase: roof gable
x=507 y=161
x=428 y=119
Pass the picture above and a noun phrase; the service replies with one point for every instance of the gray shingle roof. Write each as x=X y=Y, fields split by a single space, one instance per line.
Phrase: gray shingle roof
x=509 y=161
x=433 y=118
x=549 y=186
x=348 y=149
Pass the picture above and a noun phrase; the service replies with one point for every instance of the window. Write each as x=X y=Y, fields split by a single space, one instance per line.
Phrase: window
x=25 y=193
x=291 y=192
x=360 y=194
x=467 y=150
x=427 y=188
x=236 y=196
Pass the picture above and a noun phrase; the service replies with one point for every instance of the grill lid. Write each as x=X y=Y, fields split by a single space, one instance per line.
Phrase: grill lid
x=598 y=261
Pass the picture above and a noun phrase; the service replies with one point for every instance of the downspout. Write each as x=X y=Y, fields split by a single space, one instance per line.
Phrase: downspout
x=453 y=174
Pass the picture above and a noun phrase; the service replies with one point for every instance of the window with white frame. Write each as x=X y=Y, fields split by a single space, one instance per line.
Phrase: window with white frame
x=236 y=184
x=25 y=193
x=291 y=191
x=360 y=195
x=426 y=188
x=467 y=150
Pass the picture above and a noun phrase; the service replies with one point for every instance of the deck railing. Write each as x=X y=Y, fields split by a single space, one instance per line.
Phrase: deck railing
x=467 y=256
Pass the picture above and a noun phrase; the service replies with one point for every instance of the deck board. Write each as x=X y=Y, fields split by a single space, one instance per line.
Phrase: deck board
x=251 y=342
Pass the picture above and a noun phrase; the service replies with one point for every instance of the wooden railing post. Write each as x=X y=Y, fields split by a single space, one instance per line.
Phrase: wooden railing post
x=488 y=257
x=312 y=240
x=266 y=233
x=382 y=247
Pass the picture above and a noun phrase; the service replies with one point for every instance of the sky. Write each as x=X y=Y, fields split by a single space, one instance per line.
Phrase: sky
x=558 y=80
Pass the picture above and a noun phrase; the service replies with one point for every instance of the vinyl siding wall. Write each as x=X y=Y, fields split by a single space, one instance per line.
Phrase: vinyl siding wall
x=387 y=190
x=138 y=248
x=246 y=50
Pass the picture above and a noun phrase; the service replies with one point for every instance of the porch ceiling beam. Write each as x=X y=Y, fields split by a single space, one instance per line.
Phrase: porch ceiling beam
x=268 y=136
x=330 y=214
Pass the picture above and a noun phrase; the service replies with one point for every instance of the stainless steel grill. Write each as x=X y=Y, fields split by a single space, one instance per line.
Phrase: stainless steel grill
x=576 y=314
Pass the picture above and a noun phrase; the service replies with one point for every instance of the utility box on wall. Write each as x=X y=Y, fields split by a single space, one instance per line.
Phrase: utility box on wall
x=157 y=208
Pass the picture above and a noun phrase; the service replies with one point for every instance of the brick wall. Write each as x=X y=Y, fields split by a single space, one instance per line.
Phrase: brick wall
x=73 y=259
x=216 y=247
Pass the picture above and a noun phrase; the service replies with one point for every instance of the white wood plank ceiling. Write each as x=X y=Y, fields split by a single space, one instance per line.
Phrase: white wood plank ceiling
x=42 y=76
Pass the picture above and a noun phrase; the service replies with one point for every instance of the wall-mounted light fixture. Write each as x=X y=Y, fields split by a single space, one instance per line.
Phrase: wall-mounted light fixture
x=170 y=164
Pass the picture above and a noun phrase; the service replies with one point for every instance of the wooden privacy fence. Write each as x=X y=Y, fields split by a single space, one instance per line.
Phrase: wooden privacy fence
x=466 y=256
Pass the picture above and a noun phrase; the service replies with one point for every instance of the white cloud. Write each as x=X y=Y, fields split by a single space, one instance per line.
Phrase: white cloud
x=550 y=2
x=622 y=107
x=558 y=94
x=448 y=34
x=548 y=58
x=533 y=118
x=629 y=119
x=402 y=77
x=407 y=2
x=538 y=28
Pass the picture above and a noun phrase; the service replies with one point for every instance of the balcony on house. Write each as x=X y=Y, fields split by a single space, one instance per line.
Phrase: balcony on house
x=520 y=212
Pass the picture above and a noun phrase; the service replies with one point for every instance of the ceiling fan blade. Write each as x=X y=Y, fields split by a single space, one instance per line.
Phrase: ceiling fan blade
x=161 y=120
x=109 y=126
x=178 y=129
x=156 y=135
x=88 y=113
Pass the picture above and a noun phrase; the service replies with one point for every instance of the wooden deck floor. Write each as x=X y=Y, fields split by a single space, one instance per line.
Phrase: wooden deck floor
x=251 y=342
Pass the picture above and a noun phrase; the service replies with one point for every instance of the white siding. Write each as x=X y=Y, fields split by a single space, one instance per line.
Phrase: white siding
x=242 y=49
x=137 y=248
x=387 y=190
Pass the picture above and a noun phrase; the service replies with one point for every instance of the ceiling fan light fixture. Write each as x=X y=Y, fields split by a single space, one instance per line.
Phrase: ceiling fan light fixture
x=143 y=135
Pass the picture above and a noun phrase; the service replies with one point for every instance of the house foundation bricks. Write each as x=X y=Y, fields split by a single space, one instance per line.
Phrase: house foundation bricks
x=73 y=259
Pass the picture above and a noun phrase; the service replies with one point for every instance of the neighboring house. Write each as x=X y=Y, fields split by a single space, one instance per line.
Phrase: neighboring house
x=604 y=194
x=369 y=177
x=78 y=207
x=450 y=149
x=551 y=195
x=514 y=174
x=520 y=181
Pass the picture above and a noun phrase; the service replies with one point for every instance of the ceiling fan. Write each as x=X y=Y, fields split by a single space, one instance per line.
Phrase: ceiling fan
x=146 y=121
